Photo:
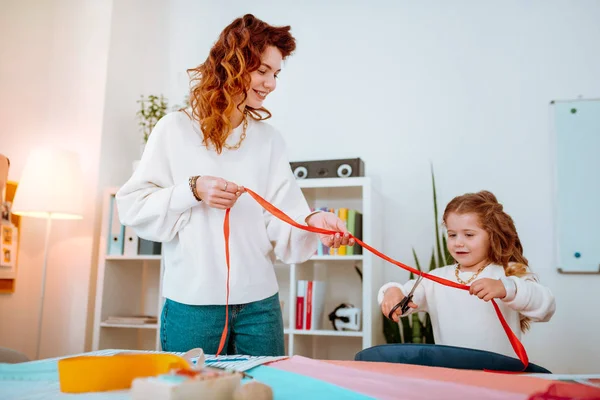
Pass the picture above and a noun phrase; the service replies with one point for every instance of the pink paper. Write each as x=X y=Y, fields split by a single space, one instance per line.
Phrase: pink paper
x=384 y=386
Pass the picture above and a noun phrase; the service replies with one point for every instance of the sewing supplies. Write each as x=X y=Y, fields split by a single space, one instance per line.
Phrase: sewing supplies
x=184 y=384
x=101 y=373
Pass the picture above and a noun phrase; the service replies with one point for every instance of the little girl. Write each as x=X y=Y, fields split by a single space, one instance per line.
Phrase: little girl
x=483 y=241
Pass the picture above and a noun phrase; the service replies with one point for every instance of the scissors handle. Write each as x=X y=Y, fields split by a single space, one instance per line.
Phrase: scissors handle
x=407 y=299
x=403 y=305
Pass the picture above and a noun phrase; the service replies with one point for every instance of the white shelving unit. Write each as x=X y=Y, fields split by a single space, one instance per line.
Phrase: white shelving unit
x=126 y=285
x=344 y=285
x=130 y=285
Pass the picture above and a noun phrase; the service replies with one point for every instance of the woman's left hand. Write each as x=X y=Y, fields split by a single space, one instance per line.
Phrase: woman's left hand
x=330 y=221
x=487 y=289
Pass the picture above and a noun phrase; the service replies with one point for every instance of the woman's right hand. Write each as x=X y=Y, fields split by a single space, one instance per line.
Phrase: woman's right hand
x=391 y=297
x=218 y=192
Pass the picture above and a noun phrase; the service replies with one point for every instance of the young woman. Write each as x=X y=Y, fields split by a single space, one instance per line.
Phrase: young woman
x=484 y=242
x=195 y=166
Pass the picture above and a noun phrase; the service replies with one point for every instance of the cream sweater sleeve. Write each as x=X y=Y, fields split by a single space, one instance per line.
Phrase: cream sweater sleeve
x=150 y=202
x=531 y=299
x=291 y=245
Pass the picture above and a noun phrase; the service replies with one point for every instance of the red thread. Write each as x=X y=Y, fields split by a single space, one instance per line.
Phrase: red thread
x=514 y=341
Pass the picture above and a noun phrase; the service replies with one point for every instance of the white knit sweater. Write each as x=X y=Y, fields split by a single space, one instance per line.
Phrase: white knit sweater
x=158 y=203
x=464 y=320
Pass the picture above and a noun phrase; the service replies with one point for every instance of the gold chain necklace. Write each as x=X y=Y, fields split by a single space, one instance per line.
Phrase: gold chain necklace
x=456 y=270
x=242 y=136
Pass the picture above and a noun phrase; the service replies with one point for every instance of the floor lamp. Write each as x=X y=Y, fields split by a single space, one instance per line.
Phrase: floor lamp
x=50 y=187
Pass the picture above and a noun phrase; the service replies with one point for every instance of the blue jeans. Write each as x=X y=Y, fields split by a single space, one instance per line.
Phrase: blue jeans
x=255 y=329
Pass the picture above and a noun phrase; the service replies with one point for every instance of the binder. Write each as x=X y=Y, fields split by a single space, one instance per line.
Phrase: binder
x=148 y=247
x=130 y=248
x=116 y=231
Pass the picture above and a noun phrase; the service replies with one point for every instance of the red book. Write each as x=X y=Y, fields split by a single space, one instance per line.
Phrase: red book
x=300 y=304
x=309 y=300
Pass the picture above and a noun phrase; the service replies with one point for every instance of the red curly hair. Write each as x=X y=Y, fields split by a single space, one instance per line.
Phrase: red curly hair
x=224 y=78
x=505 y=245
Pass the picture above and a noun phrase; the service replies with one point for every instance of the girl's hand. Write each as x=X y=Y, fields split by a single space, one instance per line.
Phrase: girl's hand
x=391 y=297
x=217 y=192
x=487 y=289
x=332 y=222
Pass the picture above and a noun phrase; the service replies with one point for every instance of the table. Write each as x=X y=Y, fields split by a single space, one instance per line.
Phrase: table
x=301 y=378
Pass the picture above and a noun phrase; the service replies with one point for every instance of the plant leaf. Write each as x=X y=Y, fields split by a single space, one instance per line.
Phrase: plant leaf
x=406 y=330
x=412 y=276
x=417 y=335
x=391 y=331
x=432 y=264
x=447 y=256
x=428 y=330
x=440 y=262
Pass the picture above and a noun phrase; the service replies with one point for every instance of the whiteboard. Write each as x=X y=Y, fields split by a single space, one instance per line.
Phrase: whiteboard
x=576 y=143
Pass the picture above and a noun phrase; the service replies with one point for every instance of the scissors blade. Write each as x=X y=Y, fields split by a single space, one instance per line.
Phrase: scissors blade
x=419 y=279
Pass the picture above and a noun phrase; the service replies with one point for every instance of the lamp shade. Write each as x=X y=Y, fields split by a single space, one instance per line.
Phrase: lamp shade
x=51 y=186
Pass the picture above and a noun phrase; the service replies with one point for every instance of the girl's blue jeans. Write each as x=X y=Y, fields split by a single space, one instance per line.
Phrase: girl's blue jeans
x=255 y=329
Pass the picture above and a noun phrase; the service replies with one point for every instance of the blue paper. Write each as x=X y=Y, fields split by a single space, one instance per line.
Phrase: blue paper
x=30 y=371
x=288 y=385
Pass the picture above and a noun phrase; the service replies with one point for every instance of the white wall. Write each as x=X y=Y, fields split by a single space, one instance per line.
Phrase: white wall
x=465 y=85
x=53 y=57
x=136 y=66
x=462 y=84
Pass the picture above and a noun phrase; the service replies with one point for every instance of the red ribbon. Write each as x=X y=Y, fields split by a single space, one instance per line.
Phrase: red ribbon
x=226 y=233
x=514 y=341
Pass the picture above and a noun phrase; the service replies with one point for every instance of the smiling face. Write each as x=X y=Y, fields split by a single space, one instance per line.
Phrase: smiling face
x=468 y=242
x=263 y=80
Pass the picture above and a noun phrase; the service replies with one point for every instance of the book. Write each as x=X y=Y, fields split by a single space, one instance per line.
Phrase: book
x=300 y=301
x=315 y=304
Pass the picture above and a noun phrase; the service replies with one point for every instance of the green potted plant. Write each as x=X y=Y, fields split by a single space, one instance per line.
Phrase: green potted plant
x=152 y=109
x=416 y=328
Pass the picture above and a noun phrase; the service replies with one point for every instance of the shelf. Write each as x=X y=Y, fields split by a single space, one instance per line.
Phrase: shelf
x=323 y=332
x=337 y=258
x=135 y=326
x=134 y=258
x=332 y=182
x=326 y=258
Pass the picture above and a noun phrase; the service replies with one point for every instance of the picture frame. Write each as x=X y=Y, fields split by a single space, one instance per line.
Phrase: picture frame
x=6 y=213
x=9 y=252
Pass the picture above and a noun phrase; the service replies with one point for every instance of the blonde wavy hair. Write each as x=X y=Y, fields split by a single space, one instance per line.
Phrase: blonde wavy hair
x=218 y=84
x=505 y=245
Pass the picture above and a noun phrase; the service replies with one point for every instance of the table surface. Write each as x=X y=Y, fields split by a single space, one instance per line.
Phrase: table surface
x=299 y=377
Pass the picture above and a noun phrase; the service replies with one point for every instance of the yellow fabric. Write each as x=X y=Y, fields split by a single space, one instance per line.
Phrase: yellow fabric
x=102 y=373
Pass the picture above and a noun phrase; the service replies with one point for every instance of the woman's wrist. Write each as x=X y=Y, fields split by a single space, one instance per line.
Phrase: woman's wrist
x=310 y=215
x=193 y=187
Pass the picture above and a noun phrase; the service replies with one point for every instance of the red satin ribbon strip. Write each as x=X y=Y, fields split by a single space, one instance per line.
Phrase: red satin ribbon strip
x=514 y=341
x=226 y=233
